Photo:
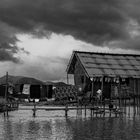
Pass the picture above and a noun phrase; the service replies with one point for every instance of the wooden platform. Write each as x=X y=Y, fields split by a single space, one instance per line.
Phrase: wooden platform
x=34 y=107
x=57 y=108
x=95 y=109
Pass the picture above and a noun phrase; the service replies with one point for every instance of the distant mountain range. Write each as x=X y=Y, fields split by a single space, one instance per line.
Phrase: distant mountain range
x=56 y=83
x=28 y=80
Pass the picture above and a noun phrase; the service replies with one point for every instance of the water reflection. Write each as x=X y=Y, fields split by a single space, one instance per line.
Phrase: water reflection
x=50 y=126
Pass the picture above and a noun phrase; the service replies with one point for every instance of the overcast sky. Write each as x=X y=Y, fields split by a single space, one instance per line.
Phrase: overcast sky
x=37 y=37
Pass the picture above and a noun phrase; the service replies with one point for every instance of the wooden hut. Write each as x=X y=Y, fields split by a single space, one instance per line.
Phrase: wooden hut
x=117 y=75
x=37 y=88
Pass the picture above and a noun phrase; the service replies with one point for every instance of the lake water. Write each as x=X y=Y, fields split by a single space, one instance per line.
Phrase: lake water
x=53 y=125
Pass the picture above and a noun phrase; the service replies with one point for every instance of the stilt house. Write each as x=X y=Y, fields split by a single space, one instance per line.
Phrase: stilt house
x=117 y=75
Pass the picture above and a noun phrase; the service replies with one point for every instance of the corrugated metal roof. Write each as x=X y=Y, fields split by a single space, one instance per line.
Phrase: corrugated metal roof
x=99 y=64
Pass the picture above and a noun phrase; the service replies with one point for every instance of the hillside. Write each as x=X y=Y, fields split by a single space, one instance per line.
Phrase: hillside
x=20 y=80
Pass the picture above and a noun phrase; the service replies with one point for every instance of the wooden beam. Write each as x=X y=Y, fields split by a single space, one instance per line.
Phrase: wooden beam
x=102 y=87
x=134 y=92
x=92 y=86
x=6 y=89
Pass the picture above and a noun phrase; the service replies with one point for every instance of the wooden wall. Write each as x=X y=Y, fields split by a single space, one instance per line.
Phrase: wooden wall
x=80 y=77
x=135 y=86
x=132 y=87
x=81 y=80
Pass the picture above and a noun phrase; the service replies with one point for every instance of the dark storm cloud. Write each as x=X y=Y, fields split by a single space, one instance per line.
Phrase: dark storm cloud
x=7 y=56
x=91 y=20
x=94 y=21
x=8 y=48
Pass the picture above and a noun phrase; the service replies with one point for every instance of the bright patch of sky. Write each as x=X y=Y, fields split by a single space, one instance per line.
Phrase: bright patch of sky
x=48 y=57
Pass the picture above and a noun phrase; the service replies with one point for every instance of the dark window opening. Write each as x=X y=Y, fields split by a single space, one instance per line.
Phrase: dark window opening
x=82 y=79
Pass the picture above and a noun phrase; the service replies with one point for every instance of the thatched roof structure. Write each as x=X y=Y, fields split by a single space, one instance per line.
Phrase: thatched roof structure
x=106 y=64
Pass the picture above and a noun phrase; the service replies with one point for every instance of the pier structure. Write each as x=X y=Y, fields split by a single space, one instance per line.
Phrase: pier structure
x=95 y=110
x=116 y=75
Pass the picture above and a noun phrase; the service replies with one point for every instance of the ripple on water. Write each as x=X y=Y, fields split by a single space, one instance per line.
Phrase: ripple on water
x=20 y=125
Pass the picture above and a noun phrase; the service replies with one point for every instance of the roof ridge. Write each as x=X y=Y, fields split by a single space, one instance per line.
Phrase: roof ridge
x=107 y=53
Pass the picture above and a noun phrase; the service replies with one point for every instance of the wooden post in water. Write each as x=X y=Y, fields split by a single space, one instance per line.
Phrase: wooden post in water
x=6 y=91
x=104 y=109
x=129 y=107
x=102 y=87
x=66 y=110
x=34 y=109
x=134 y=97
x=93 y=111
x=85 y=111
x=137 y=97
x=92 y=85
x=92 y=92
x=119 y=86
x=119 y=102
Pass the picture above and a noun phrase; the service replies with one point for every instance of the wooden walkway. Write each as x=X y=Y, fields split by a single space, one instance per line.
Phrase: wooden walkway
x=35 y=107
x=94 y=110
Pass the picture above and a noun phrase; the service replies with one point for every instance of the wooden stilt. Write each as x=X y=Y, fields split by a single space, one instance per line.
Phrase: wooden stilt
x=66 y=110
x=110 y=113
x=126 y=107
x=85 y=111
x=129 y=107
x=102 y=87
x=115 y=114
x=119 y=102
x=92 y=86
x=4 y=113
x=6 y=91
x=34 y=109
x=137 y=104
x=34 y=112
x=7 y=111
x=120 y=99
x=104 y=109
x=134 y=97
x=93 y=112
x=96 y=112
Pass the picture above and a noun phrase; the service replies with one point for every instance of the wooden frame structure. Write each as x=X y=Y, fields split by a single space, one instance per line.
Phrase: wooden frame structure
x=106 y=70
